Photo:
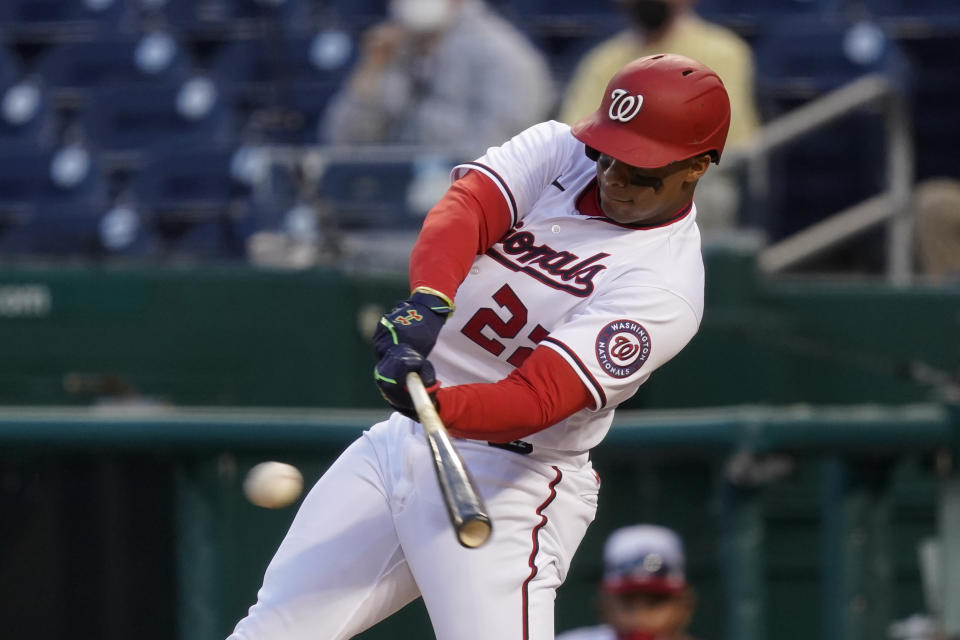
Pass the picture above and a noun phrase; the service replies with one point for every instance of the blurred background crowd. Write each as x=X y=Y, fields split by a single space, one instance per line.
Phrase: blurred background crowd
x=303 y=132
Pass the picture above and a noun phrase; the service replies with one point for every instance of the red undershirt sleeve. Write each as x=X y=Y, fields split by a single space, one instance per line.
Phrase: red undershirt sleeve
x=541 y=392
x=466 y=221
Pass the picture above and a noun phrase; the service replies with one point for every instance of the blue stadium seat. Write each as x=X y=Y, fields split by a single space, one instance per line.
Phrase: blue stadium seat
x=323 y=57
x=803 y=58
x=248 y=62
x=368 y=195
x=562 y=8
x=9 y=67
x=216 y=237
x=308 y=102
x=227 y=16
x=152 y=57
x=292 y=115
x=567 y=16
x=201 y=180
x=125 y=230
x=919 y=15
x=61 y=17
x=751 y=14
x=56 y=178
x=295 y=78
x=196 y=200
x=25 y=123
x=564 y=51
x=358 y=14
x=265 y=215
x=138 y=118
x=73 y=230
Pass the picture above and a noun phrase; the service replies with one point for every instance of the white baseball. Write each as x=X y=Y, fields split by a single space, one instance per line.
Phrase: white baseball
x=273 y=485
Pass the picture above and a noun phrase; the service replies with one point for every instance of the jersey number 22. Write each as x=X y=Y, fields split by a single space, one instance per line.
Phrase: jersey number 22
x=511 y=328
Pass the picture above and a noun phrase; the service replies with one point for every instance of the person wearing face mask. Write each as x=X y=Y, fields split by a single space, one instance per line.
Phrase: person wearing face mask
x=671 y=26
x=644 y=594
x=447 y=74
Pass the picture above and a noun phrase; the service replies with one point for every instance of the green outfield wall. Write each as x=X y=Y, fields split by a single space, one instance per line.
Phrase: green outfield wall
x=242 y=336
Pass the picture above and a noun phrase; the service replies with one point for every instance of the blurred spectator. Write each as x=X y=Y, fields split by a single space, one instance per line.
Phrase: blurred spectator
x=644 y=594
x=671 y=26
x=447 y=74
x=668 y=26
x=937 y=207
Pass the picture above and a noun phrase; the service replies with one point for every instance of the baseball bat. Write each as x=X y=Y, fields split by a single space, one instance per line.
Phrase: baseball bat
x=467 y=513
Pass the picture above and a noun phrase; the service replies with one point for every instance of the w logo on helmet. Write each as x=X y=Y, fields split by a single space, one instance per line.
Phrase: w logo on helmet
x=624 y=106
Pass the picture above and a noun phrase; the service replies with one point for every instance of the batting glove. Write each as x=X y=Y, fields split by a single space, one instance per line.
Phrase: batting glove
x=390 y=374
x=415 y=321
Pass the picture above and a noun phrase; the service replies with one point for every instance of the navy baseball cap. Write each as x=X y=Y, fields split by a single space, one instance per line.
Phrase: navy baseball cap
x=645 y=558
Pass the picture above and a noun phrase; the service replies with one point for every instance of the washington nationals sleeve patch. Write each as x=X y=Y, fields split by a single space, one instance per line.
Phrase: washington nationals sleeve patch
x=622 y=348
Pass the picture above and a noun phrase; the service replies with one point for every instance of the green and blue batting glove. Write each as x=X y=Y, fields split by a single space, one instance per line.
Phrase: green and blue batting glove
x=415 y=321
x=390 y=374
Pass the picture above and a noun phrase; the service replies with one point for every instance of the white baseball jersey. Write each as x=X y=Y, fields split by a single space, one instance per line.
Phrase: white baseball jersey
x=615 y=301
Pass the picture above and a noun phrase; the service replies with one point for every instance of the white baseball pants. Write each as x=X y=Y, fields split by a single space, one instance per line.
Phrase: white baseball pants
x=373 y=534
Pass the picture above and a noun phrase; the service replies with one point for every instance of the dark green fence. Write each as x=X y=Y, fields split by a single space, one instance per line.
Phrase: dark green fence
x=249 y=337
x=231 y=336
x=800 y=522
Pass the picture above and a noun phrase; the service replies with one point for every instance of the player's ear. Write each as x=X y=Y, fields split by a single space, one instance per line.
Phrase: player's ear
x=697 y=166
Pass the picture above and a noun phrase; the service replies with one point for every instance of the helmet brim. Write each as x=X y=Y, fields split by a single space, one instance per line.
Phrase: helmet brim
x=609 y=138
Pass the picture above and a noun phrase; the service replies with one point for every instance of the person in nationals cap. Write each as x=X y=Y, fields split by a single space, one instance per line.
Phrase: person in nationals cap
x=572 y=256
x=644 y=593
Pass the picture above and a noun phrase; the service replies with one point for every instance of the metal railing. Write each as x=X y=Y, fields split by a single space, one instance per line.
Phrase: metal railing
x=892 y=206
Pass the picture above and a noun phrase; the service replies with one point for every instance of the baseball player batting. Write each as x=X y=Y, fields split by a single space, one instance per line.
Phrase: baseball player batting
x=555 y=275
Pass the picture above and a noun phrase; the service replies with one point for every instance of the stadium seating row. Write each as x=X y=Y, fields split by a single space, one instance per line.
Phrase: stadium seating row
x=105 y=84
x=138 y=101
x=55 y=17
x=199 y=201
x=300 y=74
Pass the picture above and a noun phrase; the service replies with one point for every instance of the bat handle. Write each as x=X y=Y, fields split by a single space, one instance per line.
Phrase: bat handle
x=422 y=403
x=468 y=515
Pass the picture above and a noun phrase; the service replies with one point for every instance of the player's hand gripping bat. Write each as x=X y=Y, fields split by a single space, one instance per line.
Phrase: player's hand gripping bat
x=464 y=505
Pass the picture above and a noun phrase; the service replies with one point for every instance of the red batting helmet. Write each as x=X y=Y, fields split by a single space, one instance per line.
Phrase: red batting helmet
x=657 y=110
